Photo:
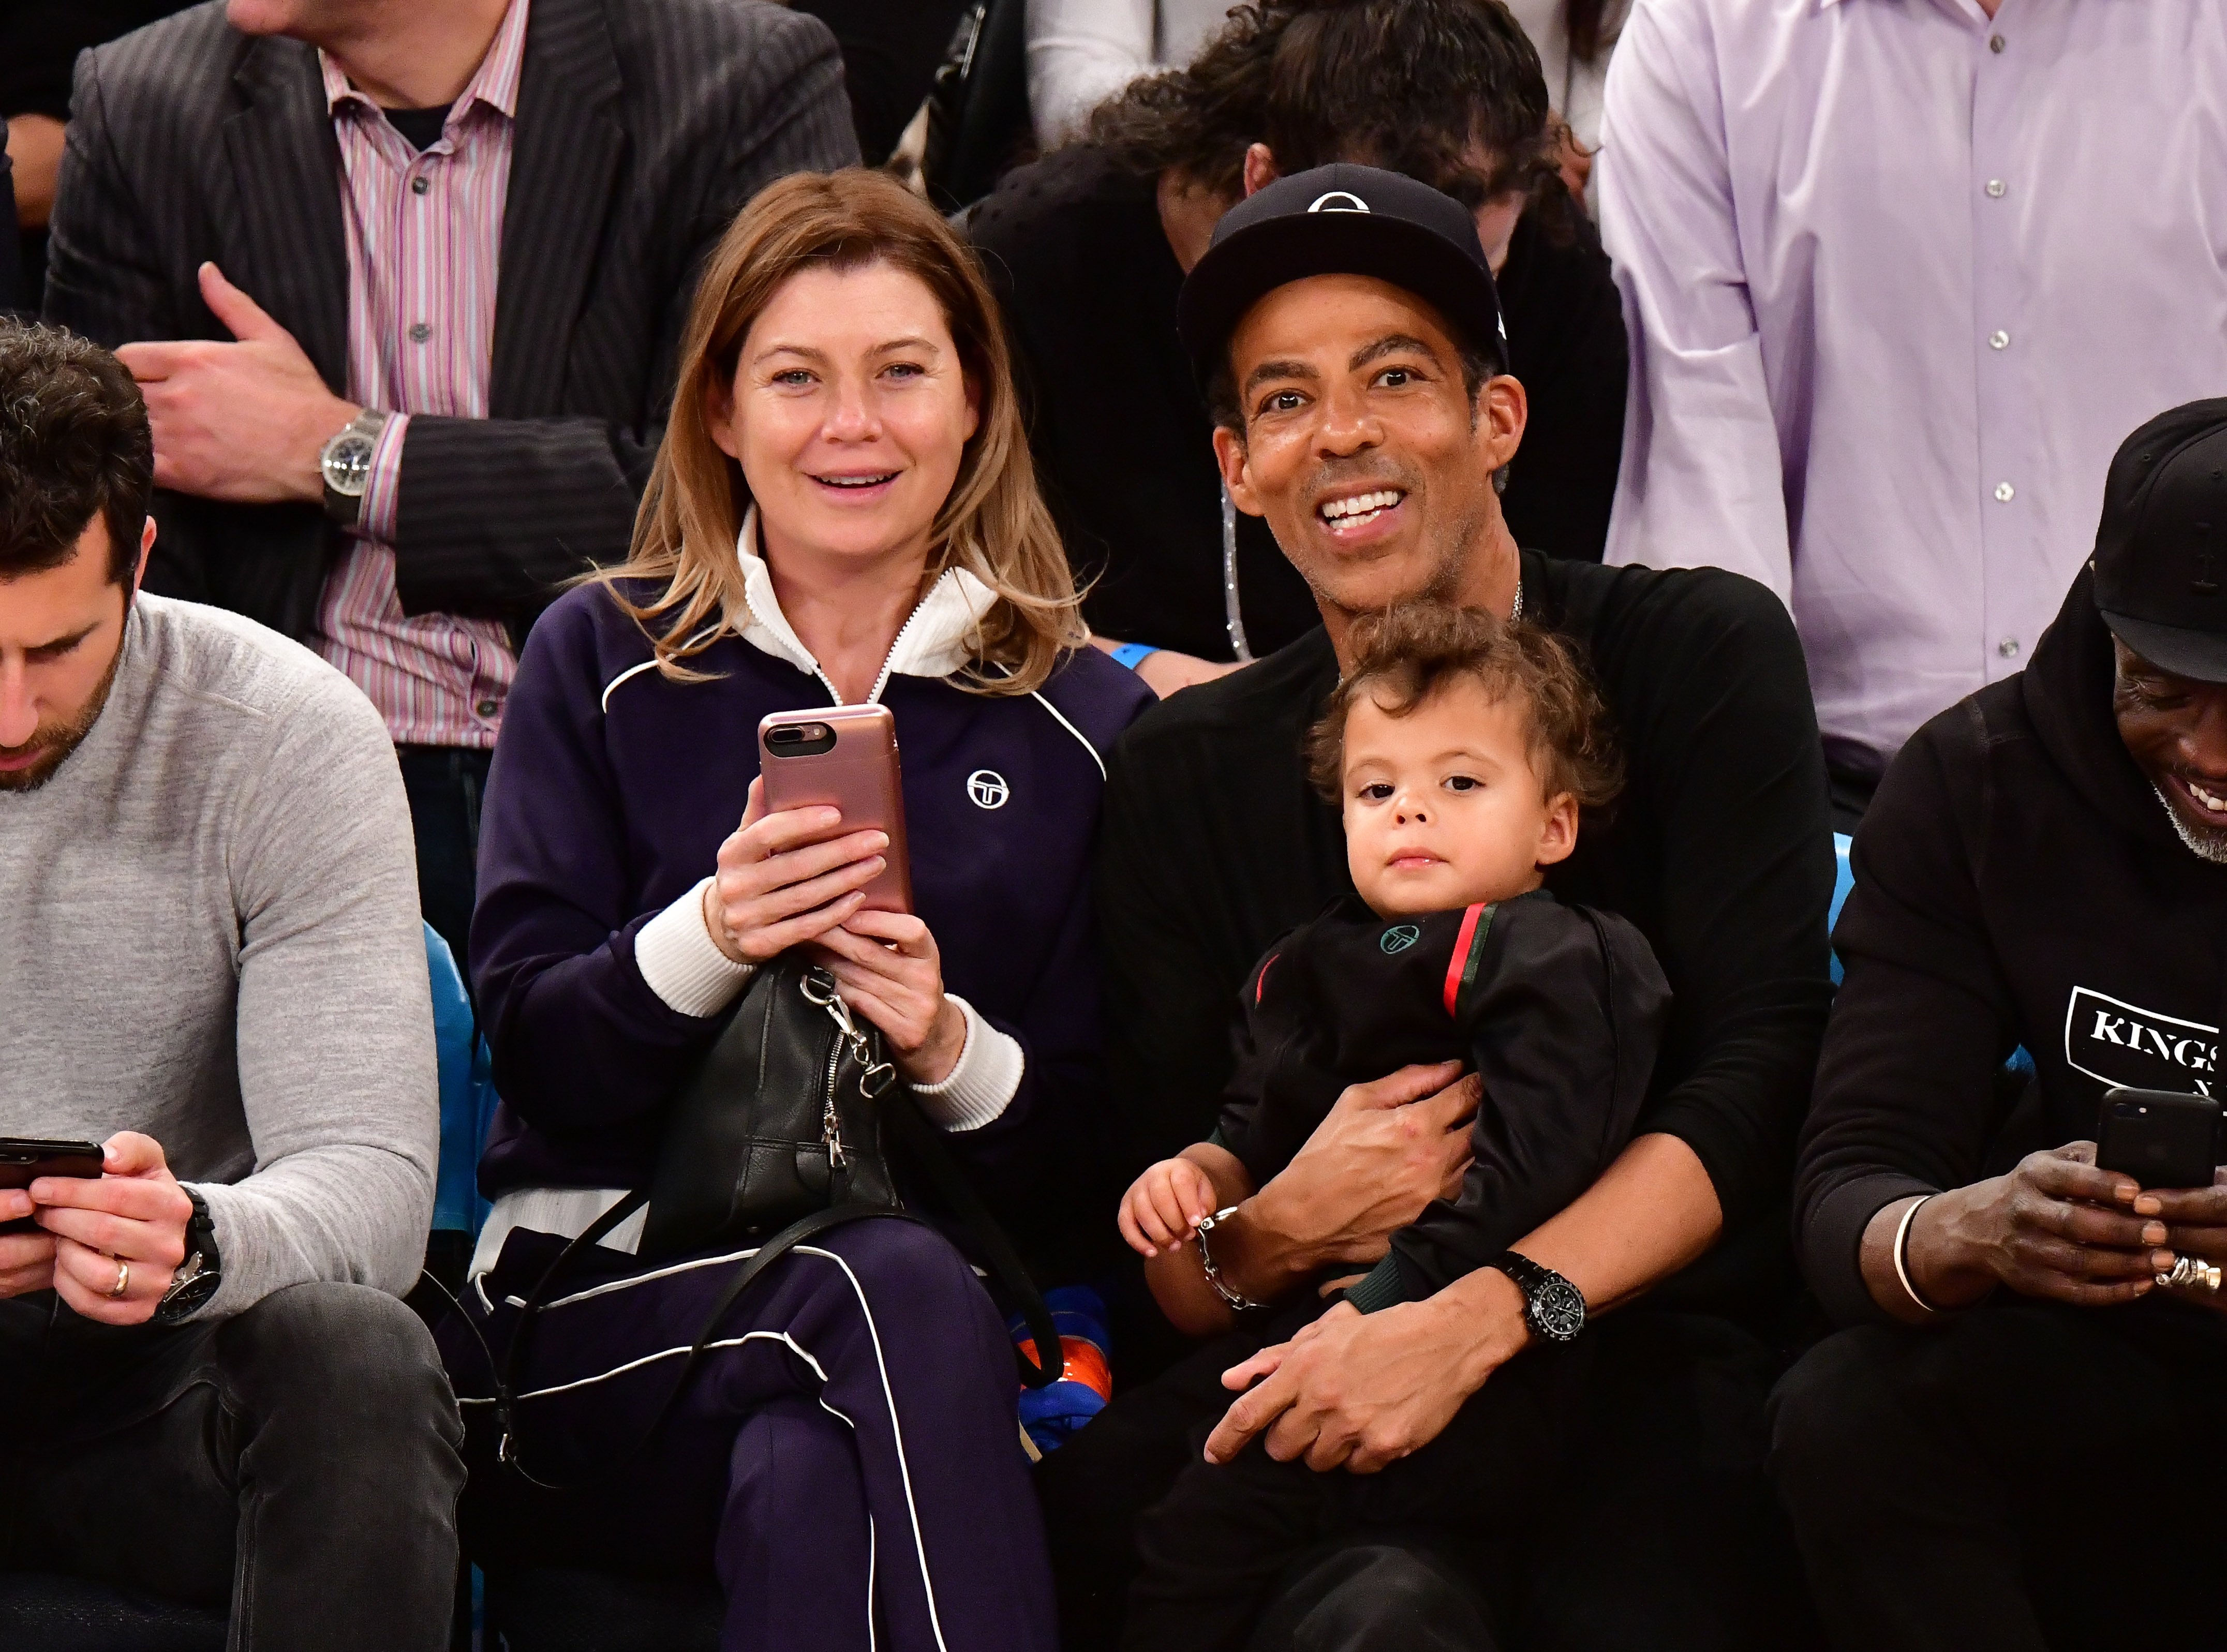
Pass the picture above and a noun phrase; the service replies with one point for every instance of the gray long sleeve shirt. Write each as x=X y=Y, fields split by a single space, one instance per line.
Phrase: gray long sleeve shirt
x=209 y=933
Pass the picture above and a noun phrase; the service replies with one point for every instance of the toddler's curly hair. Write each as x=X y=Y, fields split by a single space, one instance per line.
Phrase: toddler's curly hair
x=1408 y=653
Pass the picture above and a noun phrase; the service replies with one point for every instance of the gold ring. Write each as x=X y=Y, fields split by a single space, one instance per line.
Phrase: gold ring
x=123 y=1280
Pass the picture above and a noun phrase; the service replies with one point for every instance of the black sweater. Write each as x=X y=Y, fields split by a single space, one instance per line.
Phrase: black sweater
x=2017 y=882
x=1720 y=852
x=1124 y=449
x=1559 y=1008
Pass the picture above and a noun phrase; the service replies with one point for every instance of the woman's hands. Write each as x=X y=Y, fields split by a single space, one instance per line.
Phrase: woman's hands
x=783 y=882
x=887 y=968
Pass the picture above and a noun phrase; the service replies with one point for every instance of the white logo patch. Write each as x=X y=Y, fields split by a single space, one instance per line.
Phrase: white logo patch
x=987 y=788
x=1353 y=203
x=2117 y=1042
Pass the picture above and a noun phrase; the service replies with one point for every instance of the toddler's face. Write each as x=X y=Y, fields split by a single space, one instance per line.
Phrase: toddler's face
x=1442 y=808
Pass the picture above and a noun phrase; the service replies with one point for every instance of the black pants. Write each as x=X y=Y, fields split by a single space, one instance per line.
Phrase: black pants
x=296 y=1464
x=1608 y=1495
x=2029 y=1475
x=446 y=785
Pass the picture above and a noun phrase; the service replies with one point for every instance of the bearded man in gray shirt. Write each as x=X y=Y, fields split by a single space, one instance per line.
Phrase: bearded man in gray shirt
x=210 y=964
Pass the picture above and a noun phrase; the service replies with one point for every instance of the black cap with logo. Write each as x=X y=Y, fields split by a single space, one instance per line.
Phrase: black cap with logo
x=1342 y=220
x=2161 y=549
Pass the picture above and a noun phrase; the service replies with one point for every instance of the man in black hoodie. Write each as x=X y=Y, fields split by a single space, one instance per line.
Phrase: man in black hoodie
x=2018 y=1442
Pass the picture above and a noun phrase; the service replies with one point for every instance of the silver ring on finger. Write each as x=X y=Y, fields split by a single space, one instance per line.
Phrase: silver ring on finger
x=123 y=1281
x=2189 y=1273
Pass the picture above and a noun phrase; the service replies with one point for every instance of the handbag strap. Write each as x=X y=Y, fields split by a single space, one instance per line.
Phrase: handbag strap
x=506 y=1374
x=765 y=1256
x=958 y=1193
x=927 y=1145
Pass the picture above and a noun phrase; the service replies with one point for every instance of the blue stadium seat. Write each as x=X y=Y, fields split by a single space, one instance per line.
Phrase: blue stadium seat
x=467 y=1094
x=1843 y=881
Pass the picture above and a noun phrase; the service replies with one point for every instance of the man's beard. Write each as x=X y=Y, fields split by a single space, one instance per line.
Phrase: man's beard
x=56 y=741
x=1448 y=574
x=2208 y=843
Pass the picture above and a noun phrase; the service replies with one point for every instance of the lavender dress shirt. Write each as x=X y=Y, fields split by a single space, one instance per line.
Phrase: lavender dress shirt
x=1899 y=279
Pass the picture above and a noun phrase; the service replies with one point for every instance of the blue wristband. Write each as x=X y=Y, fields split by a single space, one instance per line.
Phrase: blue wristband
x=1132 y=654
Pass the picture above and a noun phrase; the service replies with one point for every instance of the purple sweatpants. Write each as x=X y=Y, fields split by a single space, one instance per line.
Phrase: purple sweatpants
x=846 y=1459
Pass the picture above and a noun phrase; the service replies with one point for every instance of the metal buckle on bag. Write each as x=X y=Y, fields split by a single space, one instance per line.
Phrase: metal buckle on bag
x=874 y=1076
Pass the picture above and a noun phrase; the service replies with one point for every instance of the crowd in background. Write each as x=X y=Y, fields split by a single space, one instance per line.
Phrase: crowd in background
x=438 y=438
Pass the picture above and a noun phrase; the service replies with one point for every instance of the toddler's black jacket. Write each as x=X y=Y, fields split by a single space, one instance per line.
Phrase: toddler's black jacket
x=1558 y=1009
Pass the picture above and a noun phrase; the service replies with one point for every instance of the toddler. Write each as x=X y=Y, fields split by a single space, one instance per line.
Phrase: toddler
x=1461 y=752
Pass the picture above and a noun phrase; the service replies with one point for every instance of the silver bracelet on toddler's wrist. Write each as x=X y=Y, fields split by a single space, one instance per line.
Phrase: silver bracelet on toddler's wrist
x=1238 y=1302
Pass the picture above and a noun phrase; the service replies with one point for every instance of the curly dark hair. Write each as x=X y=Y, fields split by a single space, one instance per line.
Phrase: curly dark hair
x=1416 y=87
x=1408 y=653
x=74 y=442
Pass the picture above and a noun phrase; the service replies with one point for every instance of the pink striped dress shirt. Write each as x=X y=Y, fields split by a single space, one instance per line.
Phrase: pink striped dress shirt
x=425 y=243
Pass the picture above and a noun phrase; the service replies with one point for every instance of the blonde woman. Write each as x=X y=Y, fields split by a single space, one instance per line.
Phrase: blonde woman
x=843 y=511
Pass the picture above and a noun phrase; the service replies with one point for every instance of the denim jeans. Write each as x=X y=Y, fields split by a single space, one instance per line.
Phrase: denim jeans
x=296 y=1464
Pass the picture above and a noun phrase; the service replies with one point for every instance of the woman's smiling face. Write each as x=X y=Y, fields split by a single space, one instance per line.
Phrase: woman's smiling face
x=849 y=412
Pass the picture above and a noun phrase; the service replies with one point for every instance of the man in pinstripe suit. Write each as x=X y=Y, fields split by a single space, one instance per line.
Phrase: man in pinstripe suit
x=402 y=283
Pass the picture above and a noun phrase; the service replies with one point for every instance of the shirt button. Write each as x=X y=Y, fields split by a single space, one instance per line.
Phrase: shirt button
x=420 y=332
x=419 y=185
x=1999 y=339
x=1994 y=42
x=2007 y=648
x=2005 y=493
x=490 y=707
x=1995 y=187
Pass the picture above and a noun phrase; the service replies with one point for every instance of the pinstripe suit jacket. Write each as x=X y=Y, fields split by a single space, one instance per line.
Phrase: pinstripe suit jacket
x=643 y=125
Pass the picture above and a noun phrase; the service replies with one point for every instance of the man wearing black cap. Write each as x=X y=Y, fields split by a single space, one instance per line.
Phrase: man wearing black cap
x=1345 y=324
x=2034 y=1358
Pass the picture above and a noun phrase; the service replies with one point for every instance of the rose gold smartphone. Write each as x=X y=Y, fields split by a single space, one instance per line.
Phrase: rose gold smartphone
x=845 y=755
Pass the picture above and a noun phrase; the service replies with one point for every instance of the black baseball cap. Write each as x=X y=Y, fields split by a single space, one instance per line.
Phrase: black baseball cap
x=2161 y=548
x=1342 y=220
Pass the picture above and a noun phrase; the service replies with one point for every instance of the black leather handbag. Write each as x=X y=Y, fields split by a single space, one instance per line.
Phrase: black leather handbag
x=778 y=1134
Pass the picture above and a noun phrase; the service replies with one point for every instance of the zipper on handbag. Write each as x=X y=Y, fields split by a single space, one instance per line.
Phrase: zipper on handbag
x=831 y=1123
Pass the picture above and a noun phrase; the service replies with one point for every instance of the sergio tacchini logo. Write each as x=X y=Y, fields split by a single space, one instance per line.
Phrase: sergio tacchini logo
x=987 y=788
x=1399 y=937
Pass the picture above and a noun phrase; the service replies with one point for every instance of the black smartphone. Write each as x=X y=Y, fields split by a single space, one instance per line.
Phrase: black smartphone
x=2160 y=1138
x=23 y=1159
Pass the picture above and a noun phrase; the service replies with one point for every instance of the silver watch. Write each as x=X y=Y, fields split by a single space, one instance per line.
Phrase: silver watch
x=1238 y=1302
x=346 y=461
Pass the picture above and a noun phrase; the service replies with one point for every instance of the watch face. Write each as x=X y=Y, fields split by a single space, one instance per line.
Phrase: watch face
x=348 y=464
x=1558 y=1310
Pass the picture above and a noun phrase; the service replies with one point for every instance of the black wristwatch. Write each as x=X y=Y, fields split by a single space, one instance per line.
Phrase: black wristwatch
x=1552 y=1307
x=199 y=1274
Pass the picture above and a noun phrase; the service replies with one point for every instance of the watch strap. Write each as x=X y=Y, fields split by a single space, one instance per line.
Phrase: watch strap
x=1539 y=1284
x=346 y=510
x=1529 y=1275
x=200 y=1276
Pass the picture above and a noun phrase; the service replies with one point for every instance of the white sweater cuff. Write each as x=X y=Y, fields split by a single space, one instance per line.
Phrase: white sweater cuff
x=681 y=962
x=982 y=1086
